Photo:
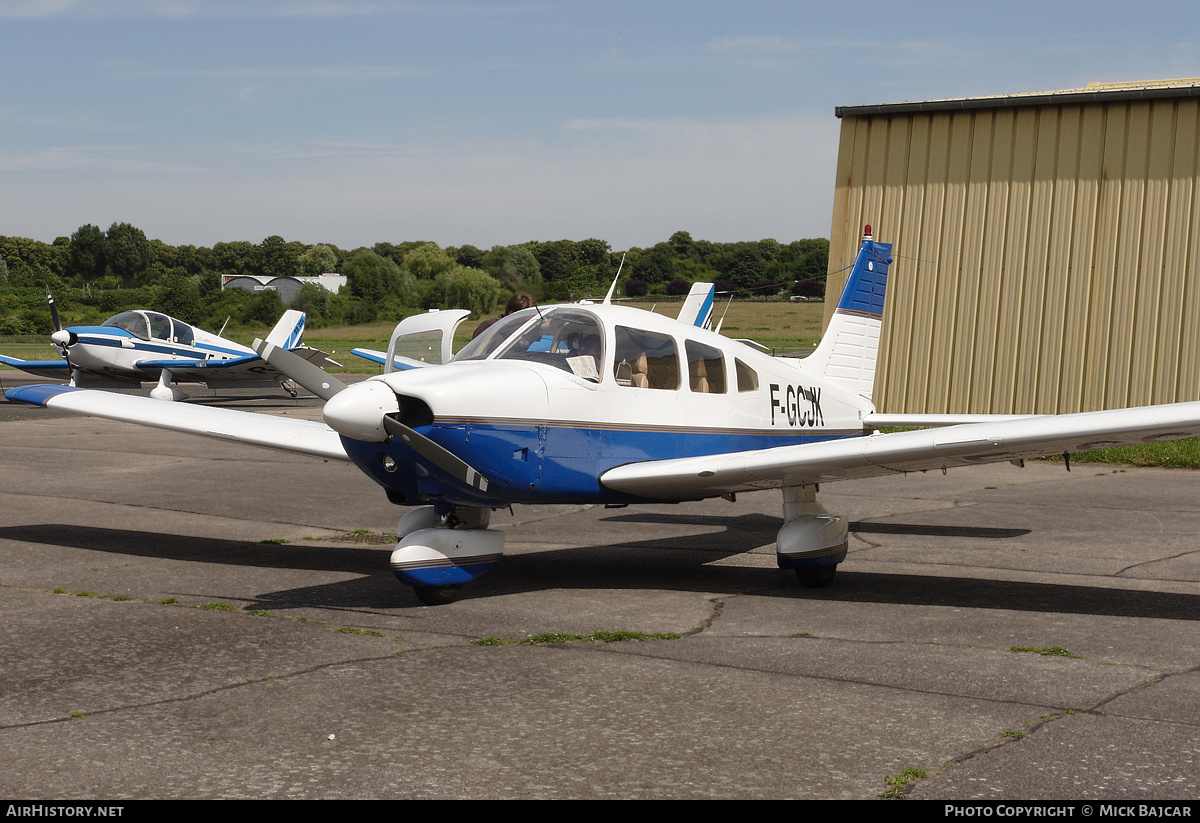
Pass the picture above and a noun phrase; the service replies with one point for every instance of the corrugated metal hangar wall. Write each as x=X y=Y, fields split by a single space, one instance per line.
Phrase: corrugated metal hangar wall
x=1045 y=247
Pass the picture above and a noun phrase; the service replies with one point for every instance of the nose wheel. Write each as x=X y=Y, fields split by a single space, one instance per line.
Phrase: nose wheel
x=817 y=578
x=437 y=595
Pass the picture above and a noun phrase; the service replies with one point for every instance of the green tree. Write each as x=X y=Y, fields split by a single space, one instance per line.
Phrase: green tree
x=471 y=289
x=178 y=296
x=234 y=258
x=313 y=301
x=469 y=256
x=427 y=262
x=318 y=260
x=277 y=258
x=374 y=278
x=264 y=307
x=517 y=269
x=127 y=251
x=557 y=260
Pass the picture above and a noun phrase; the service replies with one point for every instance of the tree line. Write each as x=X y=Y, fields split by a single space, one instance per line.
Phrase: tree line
x=95 y=273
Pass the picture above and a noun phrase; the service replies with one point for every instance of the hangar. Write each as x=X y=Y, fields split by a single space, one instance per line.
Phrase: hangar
x=1045 y=246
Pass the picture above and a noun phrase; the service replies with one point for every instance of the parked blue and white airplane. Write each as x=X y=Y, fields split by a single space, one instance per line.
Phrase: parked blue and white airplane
x=142 y=346
x=625 y=406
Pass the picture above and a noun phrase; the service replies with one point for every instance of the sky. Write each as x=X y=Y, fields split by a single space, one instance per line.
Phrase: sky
x=356 y=121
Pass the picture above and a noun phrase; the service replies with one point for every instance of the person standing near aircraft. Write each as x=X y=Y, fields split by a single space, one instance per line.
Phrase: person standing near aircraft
x=514 y=304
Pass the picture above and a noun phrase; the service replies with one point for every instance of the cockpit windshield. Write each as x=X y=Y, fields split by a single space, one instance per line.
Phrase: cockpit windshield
x=152 y=325
x=483 y=346
x=566 y=337
x=133 y=322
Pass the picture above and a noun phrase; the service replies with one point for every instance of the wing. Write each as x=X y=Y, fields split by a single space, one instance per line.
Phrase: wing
x=42 y=368
x=272 y=432
x=881 y=454
x=399 y=362
x=247 y=369
x=60 y=370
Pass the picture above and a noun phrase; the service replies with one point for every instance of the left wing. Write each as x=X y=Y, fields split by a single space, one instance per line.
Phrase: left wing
x=881 y=454
x=272 y=432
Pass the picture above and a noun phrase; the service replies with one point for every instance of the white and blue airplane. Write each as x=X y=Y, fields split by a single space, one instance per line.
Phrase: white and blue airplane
x=140 y=346
x=624 y=406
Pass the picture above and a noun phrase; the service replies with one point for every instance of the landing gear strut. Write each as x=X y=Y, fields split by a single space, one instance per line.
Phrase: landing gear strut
x=812 y=541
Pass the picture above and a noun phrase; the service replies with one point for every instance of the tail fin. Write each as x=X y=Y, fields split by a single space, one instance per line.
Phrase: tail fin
x=698 y=308
x=850 y=347
x=289 y=331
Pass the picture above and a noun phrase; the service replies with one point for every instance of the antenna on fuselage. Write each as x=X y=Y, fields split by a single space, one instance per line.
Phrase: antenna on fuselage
x=613 y=287
x=722 y=320
x=223 y=325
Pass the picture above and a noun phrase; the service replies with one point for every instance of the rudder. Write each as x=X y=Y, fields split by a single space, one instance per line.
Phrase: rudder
x=850 y=348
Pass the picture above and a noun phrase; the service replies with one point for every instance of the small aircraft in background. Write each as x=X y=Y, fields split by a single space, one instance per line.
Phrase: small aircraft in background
x=600 y=403
x=140 y=346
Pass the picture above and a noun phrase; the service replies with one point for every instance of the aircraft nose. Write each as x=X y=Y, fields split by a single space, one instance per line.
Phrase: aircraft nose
x=357 y=411
x=63 y=337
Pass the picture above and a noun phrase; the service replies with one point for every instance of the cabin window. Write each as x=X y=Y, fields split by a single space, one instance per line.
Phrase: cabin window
x=706 y=368
x=160 y=325
x=645 y=360
x=747 y=378
x=182 y=333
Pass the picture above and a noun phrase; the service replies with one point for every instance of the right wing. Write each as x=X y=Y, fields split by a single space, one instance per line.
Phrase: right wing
x=269 y=431
x=61 y=370
x=42 y=368
x=399 y=363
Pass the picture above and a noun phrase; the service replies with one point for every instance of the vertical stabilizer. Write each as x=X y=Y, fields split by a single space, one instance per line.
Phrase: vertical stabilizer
x=698 y=308
x=289 y=331
x=850 y=347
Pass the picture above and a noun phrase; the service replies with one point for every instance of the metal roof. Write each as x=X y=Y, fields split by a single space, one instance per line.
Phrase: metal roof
x=1093 y=93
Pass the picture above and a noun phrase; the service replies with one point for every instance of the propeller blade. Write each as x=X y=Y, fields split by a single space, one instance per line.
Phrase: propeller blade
x=441 y=457
x=53 y=311
x=318 y=381
x=63 y=339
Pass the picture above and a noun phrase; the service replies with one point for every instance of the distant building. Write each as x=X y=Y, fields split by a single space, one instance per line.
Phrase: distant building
x=286 y=286
x=1046 y=246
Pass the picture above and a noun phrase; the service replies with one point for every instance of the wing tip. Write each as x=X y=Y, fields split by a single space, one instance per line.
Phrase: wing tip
x=38 y=394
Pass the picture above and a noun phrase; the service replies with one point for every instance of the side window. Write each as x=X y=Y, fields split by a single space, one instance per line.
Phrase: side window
x=706 y=368
x=747 y=378
x=182 y=333
x=160 y=326
x=645 y=360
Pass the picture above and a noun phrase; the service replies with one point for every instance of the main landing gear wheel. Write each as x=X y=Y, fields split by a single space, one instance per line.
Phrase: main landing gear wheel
x=817 y=578
x=437 y=595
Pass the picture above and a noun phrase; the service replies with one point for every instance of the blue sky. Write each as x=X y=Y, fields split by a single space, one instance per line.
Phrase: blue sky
x=354 y=122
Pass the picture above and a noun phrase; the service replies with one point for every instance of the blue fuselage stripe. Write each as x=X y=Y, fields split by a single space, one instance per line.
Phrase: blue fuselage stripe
x=548 y=463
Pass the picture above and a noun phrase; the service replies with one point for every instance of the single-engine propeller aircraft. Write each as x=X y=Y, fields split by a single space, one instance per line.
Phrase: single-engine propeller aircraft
x=139 y=346
x=624 y=406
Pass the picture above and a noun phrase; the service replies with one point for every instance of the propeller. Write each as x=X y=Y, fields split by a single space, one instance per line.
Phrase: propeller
x=439 y=456
x=318 y=381
x=368 y=411
x=63 y=339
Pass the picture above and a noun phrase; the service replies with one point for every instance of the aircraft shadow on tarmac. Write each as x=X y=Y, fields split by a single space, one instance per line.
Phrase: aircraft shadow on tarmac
x=678 y=563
